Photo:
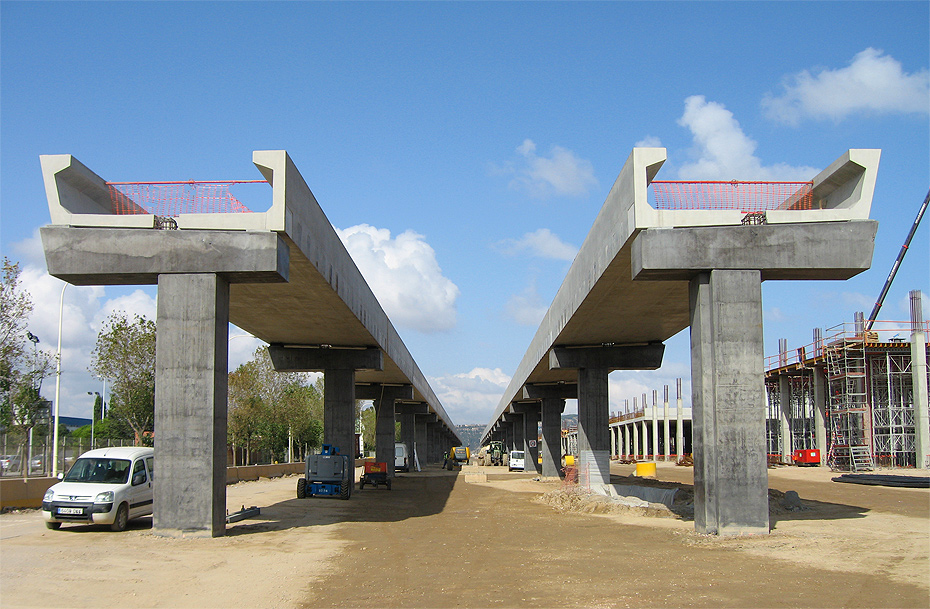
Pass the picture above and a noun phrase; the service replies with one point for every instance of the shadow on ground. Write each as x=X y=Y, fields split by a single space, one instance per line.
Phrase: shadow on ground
x=412 y=495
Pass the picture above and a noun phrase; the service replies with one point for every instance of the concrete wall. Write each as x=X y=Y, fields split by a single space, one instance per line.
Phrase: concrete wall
x=16 y=492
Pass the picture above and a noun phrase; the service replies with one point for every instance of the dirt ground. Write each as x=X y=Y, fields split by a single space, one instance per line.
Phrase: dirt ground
x=436 y=541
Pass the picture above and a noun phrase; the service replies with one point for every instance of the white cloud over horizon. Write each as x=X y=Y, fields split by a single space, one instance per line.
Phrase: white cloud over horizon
x=873 y=82
x=722 y=151
x=561 y=174
x=470 y=398
x=404 y=275
x=542 y=243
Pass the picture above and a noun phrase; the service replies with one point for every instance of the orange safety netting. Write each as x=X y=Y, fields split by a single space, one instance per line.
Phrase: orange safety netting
x=175 y=198
x=734 y=195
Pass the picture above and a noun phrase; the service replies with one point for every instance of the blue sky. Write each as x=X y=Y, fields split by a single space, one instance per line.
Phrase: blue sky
x=470 y=145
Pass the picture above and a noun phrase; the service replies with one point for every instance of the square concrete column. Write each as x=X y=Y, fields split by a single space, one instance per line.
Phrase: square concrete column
x=530 y=437
x=338 y=366
x=339 y=410
x=190 y=405
x=407 y=429
x=593 y=365
x=919 y=382
x=592 y=424
x=435 y=442
x=667 y=436
x=384 y=398
x=728 y=402
x=820 y=412
x=551 y=413
x=655 y=428
x=784 y=417
x=422 y=437
x=518 y=424
x=635 y=430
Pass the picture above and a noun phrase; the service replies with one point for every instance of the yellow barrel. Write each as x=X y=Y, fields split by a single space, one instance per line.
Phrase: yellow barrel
x=569 y=460
x=646 y=470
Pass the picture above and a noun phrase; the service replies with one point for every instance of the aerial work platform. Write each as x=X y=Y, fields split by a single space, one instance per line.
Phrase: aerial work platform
x=644 y=273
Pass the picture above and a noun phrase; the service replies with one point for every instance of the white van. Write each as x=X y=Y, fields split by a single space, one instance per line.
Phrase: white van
x=516 y=460
x=401 y=457
x=104 y=486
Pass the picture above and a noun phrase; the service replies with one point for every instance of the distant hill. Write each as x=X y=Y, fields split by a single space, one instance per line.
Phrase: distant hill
x=471 y=434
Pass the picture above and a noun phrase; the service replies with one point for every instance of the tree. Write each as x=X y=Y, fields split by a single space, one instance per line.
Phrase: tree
x=22 y=370
x=125 y=356
x=270 y=410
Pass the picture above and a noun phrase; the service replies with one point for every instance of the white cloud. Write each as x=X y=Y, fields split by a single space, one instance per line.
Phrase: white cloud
x=648 y=142
x=723 y=151
x=774 y=314
x=872 y=82
x=543 y=243
x=629 y=384
x=562 y=173
x=471 y=397
x=526 y=308
x=405 y=277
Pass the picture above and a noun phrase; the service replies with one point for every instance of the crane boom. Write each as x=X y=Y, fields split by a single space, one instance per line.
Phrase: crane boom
x=897 y=263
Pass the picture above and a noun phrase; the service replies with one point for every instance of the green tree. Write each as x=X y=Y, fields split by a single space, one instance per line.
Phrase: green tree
x=125 y=356
x=271 y=410
x=22 y=369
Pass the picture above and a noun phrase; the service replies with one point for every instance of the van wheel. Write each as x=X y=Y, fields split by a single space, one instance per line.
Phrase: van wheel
x=53 y=525
x=122 y=519
x=302 y=488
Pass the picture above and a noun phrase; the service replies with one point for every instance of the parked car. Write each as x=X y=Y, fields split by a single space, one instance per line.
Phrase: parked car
x=104 y=486
x=401 y=457
x=10 y=463
x=516 y=460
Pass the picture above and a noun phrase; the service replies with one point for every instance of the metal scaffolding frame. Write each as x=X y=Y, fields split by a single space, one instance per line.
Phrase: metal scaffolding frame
x=869 y=398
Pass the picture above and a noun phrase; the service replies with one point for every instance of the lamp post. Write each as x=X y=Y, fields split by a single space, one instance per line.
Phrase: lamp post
x=93 y=416
x=61 y=306
x=35 y=356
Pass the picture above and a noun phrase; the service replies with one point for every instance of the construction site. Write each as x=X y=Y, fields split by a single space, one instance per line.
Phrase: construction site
x=857 y=395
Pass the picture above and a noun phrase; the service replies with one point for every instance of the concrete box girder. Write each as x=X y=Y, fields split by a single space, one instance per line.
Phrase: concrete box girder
x=325 y=299
x=599 y=302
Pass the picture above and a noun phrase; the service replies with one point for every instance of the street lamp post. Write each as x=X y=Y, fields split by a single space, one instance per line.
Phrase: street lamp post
x=93 y=416
x=35 y=357
x=61 y=306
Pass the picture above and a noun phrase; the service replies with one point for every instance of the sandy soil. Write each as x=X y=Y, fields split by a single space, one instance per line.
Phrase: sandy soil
x=436 y=541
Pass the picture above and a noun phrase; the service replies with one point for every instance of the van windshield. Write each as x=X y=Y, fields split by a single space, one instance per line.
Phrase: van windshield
x=516 y=454
x=399 y=451
x=101 y=469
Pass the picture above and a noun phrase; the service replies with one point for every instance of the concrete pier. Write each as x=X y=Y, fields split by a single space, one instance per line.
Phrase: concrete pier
x=190 y=394
x=282 y=275
x=593 y=365
x=384 y=398
x=643 y=274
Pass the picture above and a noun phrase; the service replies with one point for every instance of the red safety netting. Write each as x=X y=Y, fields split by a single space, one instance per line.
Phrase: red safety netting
x=734 y=195
x=175 y=198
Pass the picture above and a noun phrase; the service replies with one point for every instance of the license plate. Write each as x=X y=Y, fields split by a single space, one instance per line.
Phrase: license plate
x=67 y=510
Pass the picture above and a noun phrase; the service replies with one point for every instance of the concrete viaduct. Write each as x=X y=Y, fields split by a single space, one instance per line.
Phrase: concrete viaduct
x=282 y=275
x=644 y=274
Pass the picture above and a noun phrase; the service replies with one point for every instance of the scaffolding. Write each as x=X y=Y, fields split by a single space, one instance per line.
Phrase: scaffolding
x=848 y=409
x=868 y=396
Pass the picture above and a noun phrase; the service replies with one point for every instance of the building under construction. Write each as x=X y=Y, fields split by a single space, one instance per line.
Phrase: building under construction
x=857 y=395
